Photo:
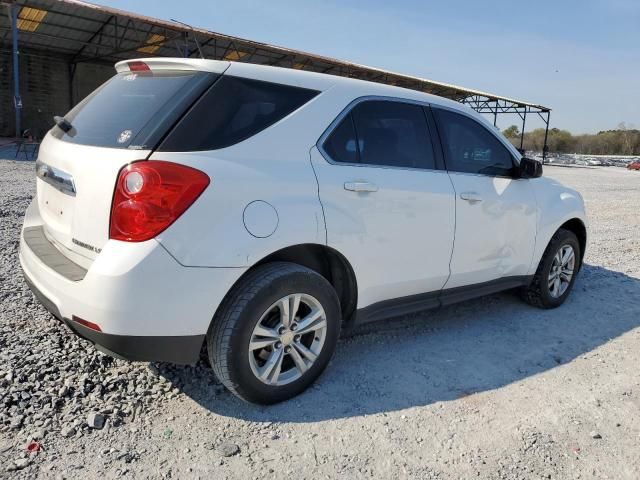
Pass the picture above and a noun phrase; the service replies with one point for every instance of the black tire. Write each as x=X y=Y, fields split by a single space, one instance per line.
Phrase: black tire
x=232 y=326
x=538 y=293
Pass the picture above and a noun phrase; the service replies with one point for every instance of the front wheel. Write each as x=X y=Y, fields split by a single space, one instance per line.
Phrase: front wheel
x=556 y=272
x=275 y=332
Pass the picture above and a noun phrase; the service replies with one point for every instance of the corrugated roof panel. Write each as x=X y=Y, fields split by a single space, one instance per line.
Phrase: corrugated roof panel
x=78 y=26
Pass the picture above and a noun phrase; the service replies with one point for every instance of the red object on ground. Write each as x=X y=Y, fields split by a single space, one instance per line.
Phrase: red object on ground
x=634 y=166
x=33 y=447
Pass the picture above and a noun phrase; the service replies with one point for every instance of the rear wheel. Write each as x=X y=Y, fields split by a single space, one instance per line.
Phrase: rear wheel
x=556 y=272
x=275 y=333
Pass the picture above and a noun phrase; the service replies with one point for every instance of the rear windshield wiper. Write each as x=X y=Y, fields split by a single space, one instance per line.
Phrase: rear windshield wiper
x=64 y=125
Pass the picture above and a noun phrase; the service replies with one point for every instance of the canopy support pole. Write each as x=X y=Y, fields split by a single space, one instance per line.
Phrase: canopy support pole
x=17 y=101
x=524 y=121
x=546 y=136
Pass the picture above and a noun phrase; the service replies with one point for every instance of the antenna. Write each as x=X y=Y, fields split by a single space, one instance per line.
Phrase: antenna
x=193 y=32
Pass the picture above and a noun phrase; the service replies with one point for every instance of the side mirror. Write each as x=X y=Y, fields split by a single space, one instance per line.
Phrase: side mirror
x=529 y=168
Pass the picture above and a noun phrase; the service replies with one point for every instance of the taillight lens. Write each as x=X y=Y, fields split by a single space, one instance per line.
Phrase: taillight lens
x=150 y=196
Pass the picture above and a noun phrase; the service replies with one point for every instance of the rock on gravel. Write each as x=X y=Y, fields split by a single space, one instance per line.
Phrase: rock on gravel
x=68 y=431
x=228 y=449
x=96 y=420
x=19 y=464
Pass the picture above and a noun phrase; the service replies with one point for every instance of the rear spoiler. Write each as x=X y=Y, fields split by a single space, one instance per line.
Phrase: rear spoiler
x=184 y=64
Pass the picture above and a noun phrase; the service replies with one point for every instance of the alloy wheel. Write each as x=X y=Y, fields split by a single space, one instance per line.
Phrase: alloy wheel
x=561 y=271
x=287 y=339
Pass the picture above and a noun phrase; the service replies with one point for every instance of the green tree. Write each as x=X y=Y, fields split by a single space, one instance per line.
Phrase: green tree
x=511 y=132
x=623 y=141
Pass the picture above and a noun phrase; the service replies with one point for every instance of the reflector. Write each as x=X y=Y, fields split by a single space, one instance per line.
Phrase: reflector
x=86 y=323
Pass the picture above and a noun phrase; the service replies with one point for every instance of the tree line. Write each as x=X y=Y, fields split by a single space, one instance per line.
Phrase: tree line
x=621 y=141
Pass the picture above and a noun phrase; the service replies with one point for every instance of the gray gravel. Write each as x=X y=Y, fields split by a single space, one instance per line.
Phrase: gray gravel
x=53 y=384
x=490 y=388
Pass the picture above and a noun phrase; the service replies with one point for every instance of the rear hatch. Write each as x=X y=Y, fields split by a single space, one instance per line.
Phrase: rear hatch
x=121 y=122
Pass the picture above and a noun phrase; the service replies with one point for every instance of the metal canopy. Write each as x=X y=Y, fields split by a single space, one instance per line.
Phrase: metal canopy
x=89 y=33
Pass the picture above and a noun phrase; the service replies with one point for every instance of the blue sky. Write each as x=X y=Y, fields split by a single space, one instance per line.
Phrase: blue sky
x=581 y=58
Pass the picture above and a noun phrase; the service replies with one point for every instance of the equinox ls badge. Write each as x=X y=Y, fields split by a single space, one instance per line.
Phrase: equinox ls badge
x=86 y=245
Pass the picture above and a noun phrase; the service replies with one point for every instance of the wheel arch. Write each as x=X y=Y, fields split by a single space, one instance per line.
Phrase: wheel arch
x=329 y=263
x=324 y=260
x=579 y=229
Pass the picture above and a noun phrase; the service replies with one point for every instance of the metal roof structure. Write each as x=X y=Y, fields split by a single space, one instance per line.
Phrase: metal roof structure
x=85 y=32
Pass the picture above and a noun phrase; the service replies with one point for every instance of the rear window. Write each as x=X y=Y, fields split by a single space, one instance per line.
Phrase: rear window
x=233 y=110
x=133 y=110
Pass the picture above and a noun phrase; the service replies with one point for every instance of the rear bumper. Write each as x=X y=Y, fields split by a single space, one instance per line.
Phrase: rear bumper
x=183 y=349
x=147 y=305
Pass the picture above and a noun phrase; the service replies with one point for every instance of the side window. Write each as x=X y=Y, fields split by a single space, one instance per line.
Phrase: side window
x=382 y=132
x=393 y=134
x=233 y=110
x=341 y=144
x=469 y=147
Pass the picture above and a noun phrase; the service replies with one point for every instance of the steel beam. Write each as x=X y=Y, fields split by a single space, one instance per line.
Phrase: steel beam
x=112 y=53
x=90 y=41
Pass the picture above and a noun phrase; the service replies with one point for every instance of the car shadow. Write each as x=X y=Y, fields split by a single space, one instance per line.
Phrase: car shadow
x=475 y=346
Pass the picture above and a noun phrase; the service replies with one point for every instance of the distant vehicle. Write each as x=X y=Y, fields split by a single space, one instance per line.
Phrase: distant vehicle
x=257 y=211
x=634 y=165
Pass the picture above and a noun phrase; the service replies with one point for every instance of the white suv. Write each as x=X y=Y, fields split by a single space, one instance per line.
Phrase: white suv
x=258 y=211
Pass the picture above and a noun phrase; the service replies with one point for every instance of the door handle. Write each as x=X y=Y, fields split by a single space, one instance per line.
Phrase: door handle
x=360 y=187
x=471 y=197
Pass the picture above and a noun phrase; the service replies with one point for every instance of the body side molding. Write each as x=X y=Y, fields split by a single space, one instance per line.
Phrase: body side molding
x=431 y=300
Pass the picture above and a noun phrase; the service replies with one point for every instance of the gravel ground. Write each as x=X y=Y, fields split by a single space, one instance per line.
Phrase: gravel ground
x=490 y=388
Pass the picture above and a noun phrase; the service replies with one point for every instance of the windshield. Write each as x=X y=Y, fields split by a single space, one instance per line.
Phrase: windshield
x=133 y=110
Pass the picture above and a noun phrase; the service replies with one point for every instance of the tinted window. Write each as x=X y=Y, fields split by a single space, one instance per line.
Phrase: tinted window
x=380 y=132
x=393 y=133
x=133 y=109
x=470 y=147
x=341 y=144
x=233 y=110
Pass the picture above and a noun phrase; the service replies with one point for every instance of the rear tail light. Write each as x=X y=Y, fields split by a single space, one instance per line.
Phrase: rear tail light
x=150 y=196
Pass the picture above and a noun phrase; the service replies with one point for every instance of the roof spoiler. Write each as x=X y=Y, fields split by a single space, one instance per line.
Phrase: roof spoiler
x=164 y=63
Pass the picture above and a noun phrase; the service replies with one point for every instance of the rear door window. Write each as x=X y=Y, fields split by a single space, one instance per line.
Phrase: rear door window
x=393 y=134
x=133 y=110
x=233 y=110
x=385 y=133
x=341 y=145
